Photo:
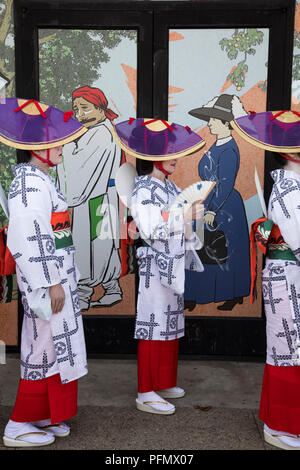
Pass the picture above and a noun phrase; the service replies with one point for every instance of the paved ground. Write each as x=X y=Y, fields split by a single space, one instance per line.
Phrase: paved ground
x=107 y=418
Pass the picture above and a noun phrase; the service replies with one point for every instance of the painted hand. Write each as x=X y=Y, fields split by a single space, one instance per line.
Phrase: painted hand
x=209 y=219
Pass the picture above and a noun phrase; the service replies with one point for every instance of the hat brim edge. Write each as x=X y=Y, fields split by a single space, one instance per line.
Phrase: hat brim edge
x=209 y=113
x=43 y=146
x=156 y=157
x=260 y=144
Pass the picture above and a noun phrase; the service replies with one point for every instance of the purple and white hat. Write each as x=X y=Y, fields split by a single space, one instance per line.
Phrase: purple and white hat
x=156 y=139
x=276 y=131
x=32 y=125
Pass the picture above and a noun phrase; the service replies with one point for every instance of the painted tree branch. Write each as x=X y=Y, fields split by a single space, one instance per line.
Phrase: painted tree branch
x=7 y=21
x=48 y=38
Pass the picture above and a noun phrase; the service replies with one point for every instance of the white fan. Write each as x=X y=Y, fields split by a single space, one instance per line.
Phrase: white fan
x=260 y=193
x=193 y=193
x=125 y=182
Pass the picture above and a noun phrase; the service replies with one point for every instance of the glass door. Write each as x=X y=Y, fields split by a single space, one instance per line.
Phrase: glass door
x=109 y=62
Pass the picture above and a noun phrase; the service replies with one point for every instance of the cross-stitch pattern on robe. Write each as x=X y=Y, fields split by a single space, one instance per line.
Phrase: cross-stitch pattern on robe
x=281 y=278
x=162 y=260
x=57 y=346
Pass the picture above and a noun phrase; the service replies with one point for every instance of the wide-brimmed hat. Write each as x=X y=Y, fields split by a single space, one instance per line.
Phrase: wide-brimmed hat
x=276 y=131
x=155 y=139
x=224 y=107
x=32 y=125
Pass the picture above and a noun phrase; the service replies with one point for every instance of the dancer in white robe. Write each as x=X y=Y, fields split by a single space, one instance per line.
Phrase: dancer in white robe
x=162 y=256
x=53 y=353
x=278 y=236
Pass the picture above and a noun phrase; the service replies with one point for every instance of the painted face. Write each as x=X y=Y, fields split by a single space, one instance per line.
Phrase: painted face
x=216 y=126
x=87 y=113
x=170 y=165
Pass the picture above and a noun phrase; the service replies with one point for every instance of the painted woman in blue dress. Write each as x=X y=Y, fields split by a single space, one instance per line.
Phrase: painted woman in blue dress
x=226 y=276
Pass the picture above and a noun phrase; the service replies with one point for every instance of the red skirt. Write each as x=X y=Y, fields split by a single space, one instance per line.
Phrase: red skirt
x=280 y=398
x=47 y=398
x=157 y=365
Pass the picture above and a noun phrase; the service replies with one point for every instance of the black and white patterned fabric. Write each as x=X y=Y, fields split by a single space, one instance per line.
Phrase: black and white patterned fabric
x=162 y=264
x=281 y=278
x=57 y=346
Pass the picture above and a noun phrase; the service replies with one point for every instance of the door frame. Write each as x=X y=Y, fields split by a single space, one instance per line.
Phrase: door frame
x=240 y=338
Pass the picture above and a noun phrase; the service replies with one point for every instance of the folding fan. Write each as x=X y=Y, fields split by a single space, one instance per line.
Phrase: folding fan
x=125 y=182
x=193 y=193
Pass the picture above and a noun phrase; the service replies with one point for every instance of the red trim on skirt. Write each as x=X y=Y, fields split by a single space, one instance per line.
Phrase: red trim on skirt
x=280 y=398
x=47 y=398
x=157 y=365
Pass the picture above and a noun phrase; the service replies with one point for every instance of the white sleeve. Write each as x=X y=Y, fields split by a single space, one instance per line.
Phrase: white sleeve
x=166 y=236
x=284 y=210
x=30 y=237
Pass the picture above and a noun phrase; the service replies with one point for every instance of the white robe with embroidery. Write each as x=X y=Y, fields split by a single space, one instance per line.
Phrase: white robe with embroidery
x=57 y=346
x=160 y=307
x=281 y=278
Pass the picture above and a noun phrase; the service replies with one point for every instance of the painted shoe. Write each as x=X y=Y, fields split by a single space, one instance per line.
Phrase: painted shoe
x=108 y=300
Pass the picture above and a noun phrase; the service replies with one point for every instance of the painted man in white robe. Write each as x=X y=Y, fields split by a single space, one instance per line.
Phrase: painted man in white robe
x=87 y=178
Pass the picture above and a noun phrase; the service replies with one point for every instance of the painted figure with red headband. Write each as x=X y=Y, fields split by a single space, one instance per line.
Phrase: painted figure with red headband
x=162 y=256
x=278 y=236
x=39 y=239
x=87 y=179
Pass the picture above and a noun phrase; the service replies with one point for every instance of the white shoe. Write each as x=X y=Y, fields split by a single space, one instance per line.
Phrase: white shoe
x=174 y=392
x=283 y=440
x=58 y=429
x=26 y=435
x=156 y=407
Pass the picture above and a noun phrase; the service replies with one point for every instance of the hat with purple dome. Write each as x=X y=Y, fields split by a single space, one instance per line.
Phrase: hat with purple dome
x=276 y=131
x=32 y=125
x=156 y=139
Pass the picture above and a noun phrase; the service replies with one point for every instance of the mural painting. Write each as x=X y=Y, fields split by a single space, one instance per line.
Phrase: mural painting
x=236 y=86
x=90 y=163
x=87 y=178
x=225 y=255
x=96 y=59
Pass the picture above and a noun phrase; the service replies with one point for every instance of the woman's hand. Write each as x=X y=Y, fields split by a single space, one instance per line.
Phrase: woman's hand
x=57 y=296
x=209 y=219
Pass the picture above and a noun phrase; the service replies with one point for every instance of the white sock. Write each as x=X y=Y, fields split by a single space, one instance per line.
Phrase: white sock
x=14 y=429
x=278 y=433
x=44 y=422
x=152 y=396
x=173 y=389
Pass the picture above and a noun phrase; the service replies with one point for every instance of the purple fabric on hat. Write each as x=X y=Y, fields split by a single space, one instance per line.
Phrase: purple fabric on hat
x=24 y=129
x=275 y=133
x=143 y=141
